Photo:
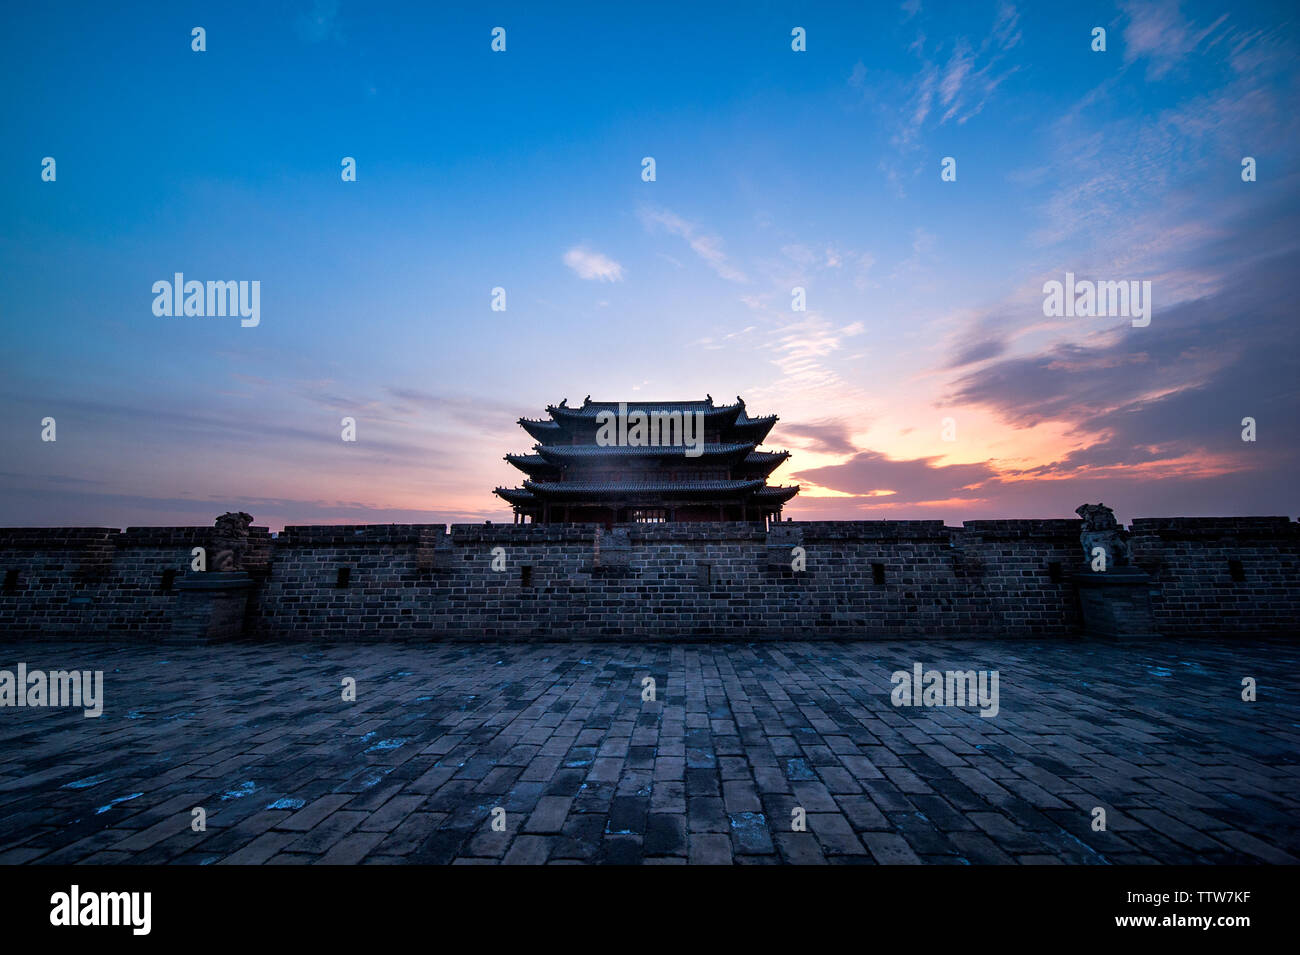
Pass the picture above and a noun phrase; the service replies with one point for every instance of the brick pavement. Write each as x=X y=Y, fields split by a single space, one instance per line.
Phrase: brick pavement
x=557 y=736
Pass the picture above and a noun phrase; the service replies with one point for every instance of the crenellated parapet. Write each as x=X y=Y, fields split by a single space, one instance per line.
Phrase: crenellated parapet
x=734 y=580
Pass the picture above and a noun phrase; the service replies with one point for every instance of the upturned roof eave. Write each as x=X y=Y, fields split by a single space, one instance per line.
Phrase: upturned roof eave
x=602 y=490
x=587 y=452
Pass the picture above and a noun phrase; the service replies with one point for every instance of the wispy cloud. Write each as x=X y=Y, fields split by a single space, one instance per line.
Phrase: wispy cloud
x=873 y=475
x=706 y=245
x=1147 y=199
x=831 y=436
x=594 y=266
x=953 y=82
x=1160 y=34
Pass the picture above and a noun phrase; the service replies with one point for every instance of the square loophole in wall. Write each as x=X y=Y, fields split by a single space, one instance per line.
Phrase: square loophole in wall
x=525 y=575
x=344 y=579
x=11 y=582
x=1054 y=573
x=1236 y=570
x=877 y=573
x=168 y=579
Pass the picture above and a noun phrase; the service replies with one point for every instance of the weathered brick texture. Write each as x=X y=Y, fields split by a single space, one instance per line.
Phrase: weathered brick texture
x=1193 y=590
x=723 y=580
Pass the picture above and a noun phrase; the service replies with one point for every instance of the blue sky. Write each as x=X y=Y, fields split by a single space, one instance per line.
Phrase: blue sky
x=522 y=170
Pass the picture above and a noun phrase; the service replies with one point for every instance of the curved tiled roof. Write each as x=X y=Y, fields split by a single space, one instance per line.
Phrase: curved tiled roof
x=781 y=494
x=762 y=462
x=515 y=495
x=598 y=489
x=589 y=408
x=530 y=463
x=541 y=430
x=766 y=457
x=596 y=451
x=585 y=415
x=752 y=429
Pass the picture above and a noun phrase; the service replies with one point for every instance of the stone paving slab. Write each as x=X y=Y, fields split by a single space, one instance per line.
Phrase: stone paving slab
x=556 y=744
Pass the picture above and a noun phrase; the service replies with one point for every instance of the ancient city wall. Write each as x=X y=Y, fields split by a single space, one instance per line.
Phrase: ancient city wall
x=1211 y=574
x=96 y=581
x=683 y=581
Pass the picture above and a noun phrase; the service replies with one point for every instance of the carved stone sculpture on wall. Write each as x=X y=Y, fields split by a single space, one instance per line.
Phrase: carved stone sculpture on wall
x=1100 y=529
x=230 y=541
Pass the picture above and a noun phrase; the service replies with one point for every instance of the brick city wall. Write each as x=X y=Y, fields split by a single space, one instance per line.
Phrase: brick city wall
x=1214 y=574
x=722 y=580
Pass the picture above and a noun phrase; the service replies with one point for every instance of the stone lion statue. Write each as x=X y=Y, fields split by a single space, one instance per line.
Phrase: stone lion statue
x=1100 y=529
x=230 y=541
